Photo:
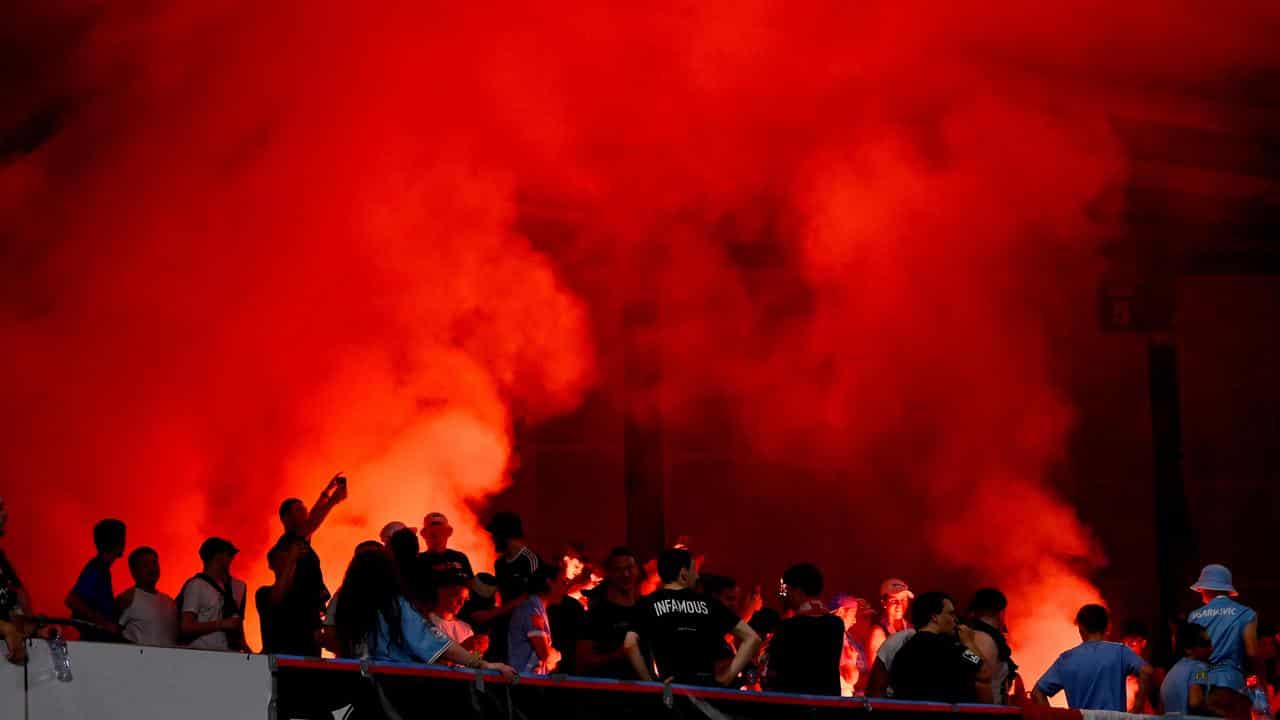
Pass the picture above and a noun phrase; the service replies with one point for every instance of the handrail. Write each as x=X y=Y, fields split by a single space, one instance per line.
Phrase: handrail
x=634 y=686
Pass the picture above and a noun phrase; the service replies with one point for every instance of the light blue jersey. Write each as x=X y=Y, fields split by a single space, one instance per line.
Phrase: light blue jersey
x=1177 y=684
x=1093 y=674
x=423 y=642
x=1225 y=619
x=529 y=621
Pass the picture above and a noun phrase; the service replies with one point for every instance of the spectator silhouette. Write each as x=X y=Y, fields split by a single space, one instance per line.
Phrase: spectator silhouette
x=13 y=602
x=92 y=599
x=941 y=661
x=376 y=620
x=148 y=616
x=805 y=651
x=610 y=617
x=986 y=617
x=1185 y=689
x=682 y=630
x=1093 y=673
x=1233 y=630
x=307 y=596
x=212 y=602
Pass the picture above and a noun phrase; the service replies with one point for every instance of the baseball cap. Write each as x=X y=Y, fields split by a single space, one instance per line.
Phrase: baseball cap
x=505 y=525
x=435 y=519
x=843 y=601
x=486 y=585
x=215 y=546
x=392 y=528
x=894 y=586
x=1215 y=577
x=451 y=578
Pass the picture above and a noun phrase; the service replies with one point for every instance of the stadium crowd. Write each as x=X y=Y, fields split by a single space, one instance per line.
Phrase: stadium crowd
x=663 y=620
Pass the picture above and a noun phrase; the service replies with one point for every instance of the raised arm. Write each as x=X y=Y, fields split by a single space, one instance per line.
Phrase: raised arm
x=333 y=493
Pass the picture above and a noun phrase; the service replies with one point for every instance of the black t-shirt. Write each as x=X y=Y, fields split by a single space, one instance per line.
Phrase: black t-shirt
x=513 y=581
x=804 y=655
x=935 y=667
x=607 y=624
x=567 y=619
x=513 y=575
x=284 y=632
x=682 y=631
x=9 y=585
x=308 y=597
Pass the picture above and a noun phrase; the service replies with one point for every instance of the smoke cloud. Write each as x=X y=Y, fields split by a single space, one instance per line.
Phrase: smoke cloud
x=247 y=247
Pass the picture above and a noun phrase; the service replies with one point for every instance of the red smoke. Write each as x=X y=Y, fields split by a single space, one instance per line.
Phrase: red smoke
x=263 y=244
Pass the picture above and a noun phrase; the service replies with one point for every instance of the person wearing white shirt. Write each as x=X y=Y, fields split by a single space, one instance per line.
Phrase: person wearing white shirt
x=148 y=616
x=212 y=602
x=878 y=685
x=451 y=594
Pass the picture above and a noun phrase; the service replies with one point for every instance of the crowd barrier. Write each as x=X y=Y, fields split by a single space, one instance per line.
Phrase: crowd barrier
x=121 y=682
x=413 y=690
x=125 y=682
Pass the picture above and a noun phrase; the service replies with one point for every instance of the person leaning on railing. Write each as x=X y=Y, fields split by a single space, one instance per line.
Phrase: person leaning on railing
x=1093 y=673
x=375 y=620
x=91 y=600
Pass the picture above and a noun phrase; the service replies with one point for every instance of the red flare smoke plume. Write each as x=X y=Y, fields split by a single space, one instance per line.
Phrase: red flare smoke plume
x=263 y=243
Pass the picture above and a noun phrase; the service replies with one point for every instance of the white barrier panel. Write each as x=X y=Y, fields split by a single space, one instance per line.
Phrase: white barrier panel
x=12 y=700
x=126 y=682
x=1113 y=715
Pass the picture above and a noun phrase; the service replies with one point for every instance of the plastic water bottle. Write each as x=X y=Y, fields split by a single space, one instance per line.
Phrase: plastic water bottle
x=1258 y=696
x=61 y=658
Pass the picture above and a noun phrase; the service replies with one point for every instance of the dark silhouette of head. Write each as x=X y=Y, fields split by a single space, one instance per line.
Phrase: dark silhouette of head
x=108 y=539
x=1092 y=619
x=675 y=565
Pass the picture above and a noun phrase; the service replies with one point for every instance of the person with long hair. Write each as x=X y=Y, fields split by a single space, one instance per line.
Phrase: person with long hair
x=376 y=620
